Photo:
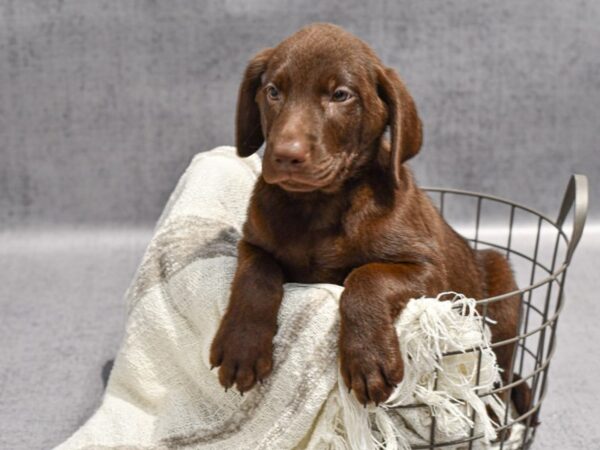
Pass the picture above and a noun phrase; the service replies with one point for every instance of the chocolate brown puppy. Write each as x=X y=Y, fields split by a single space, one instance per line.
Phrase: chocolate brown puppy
x=337 y=204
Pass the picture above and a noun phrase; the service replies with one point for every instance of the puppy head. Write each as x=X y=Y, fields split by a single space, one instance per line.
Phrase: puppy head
x=322 y=101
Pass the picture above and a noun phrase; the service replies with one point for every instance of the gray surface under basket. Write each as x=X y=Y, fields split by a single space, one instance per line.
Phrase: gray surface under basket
x=62 y=316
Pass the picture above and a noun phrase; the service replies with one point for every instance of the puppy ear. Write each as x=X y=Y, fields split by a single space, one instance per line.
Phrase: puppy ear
x=248 y=133
x=406 y=133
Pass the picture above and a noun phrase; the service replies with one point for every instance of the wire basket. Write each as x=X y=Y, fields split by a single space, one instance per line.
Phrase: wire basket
x=540 y=250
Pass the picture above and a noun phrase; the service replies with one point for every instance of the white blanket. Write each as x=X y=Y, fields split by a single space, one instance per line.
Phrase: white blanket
x=162 y=393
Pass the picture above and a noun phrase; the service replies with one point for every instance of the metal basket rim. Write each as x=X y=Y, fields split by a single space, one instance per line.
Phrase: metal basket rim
x=550 y=278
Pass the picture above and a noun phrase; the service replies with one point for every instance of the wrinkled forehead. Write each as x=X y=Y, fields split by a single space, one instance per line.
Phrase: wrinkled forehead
x=320 y=61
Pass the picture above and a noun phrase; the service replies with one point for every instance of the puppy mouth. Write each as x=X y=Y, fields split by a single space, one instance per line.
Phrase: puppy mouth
x=296 y=186
x=297 y=182
x=291 y=182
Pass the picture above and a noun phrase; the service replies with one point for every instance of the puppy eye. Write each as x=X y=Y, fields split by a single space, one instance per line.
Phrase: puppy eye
x=272 y=92
x=341 y=95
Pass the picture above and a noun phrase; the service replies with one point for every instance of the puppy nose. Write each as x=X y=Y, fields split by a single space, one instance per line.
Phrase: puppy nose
x=290 y=155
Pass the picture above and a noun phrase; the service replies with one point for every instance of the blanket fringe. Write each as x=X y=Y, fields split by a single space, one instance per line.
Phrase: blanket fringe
x=428 y=328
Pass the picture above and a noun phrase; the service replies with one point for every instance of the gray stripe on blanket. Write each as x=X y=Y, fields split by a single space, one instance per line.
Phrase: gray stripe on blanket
x=122 y=447
x=179 y=243
x=313 y=376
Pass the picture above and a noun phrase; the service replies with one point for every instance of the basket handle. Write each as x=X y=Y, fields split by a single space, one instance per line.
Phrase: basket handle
x=576 y=194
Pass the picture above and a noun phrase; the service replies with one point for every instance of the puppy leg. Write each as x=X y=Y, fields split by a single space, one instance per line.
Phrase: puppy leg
x=374 y=295
x=499 y=280
x=243 y=345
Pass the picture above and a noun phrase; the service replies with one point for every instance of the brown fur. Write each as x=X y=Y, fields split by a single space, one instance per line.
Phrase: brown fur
x=336 y=204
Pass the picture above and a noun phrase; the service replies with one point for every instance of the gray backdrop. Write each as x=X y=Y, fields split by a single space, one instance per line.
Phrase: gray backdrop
x=103 y=103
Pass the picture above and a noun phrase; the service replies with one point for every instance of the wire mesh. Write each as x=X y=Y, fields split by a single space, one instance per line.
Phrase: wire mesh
x=539 y=250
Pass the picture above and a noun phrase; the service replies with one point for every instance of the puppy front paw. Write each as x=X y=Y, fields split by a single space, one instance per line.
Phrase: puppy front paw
x=371 y=365
x=243 y=352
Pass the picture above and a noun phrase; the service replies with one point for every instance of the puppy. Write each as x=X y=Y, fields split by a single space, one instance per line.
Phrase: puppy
x=337 y=204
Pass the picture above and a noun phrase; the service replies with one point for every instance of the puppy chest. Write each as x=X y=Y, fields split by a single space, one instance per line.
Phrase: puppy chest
x=314 y=260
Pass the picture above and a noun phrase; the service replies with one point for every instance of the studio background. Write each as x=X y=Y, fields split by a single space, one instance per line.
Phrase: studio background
x=103 y=104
